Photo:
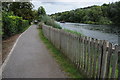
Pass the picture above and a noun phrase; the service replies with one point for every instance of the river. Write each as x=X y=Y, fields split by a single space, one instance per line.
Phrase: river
x=101 y=32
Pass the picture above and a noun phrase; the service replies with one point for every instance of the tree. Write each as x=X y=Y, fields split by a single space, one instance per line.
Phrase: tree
x=105 y=14
x=114 y=12
x=21 y=9
x=5 y=6
x=41 y=11
x=35 y=14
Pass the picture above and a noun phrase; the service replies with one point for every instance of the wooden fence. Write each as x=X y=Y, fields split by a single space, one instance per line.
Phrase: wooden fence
x=94 y=58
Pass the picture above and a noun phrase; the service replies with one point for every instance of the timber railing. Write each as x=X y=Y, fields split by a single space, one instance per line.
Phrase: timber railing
x=94 y=58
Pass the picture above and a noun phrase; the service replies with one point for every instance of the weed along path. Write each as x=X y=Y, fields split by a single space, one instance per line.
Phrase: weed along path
x=31 y=59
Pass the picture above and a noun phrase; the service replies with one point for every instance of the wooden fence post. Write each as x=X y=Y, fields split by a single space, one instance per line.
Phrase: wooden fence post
x=99 y=58
x=95 y=57
x=115 y=61
x=88 y=60
x=104 y=57
x=108 y=59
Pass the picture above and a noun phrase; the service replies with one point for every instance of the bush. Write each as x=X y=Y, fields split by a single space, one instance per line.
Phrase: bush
x=13 y=25
x=48 y=21
x=25 y=23
x=89 y=22
x=9 y=26
x=40 y=25
x=104 y=20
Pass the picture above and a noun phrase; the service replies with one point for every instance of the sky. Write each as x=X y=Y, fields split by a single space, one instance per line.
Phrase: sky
x=55 y=6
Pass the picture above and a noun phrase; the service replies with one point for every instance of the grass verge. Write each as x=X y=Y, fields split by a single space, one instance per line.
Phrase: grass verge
x=64 y=63
x=74 y=32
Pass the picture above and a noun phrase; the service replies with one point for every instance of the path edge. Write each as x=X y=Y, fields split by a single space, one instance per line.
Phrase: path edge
x=8 y=57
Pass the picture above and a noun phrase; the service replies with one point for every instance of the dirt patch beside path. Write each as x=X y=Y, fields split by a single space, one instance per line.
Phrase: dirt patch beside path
x=7 y=46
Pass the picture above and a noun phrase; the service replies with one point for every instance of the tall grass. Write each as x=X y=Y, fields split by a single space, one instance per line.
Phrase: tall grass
x=74 y=32
x=48 y=21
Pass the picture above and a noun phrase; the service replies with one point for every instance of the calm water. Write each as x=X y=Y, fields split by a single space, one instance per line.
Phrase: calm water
x=101 y=32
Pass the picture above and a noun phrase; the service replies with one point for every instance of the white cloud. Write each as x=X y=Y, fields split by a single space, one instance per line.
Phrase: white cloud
x=76 y=0
x=54 y=6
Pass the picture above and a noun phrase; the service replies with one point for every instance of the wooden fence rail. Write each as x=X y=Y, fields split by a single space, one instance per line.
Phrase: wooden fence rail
x=94 y=58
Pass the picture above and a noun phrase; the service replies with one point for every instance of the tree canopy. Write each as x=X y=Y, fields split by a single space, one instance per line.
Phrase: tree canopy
x=105 y=14
x=41 y=11
x=21 y=9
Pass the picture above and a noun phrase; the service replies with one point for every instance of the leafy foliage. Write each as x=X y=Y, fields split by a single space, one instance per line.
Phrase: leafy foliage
x=114 y=12
x=13 y=24
x=105 y=14
x=21 y=9
x=16 y=17
x=46 y=19
x=41 y=11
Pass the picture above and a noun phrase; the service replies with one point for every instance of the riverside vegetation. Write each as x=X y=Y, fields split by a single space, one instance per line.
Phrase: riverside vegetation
x=44 y=18
x=105 y=14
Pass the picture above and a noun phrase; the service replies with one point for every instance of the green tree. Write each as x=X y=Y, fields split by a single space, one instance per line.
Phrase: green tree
x=105 y=14
x=35 y=14
x=114 y=12
x=21 y=9
x=41 y=11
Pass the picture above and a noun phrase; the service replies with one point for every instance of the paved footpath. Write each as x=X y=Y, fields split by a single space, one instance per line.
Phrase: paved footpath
x=31 y=59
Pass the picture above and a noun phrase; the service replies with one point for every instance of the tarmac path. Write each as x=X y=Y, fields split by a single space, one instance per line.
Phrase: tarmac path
x=31 y=59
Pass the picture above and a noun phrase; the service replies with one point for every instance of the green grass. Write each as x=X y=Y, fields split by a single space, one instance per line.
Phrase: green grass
x=74 y=32
x=64 y=63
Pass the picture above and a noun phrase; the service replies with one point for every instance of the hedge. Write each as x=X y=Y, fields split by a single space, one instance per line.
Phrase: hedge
x=13 y=25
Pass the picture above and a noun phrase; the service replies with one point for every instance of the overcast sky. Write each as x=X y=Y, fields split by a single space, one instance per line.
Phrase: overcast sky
x=54 y=6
